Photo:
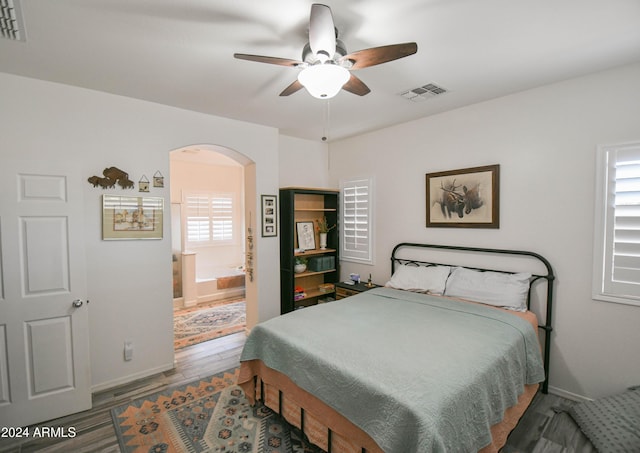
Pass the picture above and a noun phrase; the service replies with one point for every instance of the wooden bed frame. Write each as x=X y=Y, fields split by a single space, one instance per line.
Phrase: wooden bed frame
x=330 y=430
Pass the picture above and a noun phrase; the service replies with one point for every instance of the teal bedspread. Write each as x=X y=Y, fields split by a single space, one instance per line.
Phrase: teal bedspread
x=417 y=373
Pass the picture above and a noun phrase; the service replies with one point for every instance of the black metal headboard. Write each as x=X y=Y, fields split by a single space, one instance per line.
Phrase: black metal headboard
x=547 y=278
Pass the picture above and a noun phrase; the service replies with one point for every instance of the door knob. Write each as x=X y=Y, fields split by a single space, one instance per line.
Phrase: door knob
x=77 y=303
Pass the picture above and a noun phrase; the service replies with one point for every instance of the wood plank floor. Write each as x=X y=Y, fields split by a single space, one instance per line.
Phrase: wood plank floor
x=95 y=432
x=540 y=430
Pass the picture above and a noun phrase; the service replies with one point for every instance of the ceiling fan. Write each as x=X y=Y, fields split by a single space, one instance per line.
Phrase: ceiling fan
x=326 y=65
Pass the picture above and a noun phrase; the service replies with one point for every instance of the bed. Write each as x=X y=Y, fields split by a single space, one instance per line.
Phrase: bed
x=419 y=365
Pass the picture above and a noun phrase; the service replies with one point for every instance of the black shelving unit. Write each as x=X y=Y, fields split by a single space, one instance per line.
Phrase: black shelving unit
x=308 y=205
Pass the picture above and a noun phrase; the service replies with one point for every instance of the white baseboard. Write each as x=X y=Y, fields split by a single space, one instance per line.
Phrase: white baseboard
x=130 y=378
x=568 y=395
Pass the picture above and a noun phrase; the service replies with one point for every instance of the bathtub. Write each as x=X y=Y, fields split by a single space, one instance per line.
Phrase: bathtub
x=220 y=283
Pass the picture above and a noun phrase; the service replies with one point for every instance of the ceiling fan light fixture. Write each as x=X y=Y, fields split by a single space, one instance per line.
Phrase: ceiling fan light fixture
x=324 y=81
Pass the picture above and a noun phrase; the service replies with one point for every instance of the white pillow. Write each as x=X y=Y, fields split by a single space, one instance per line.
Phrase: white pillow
x=431 y=279
x=492 y=288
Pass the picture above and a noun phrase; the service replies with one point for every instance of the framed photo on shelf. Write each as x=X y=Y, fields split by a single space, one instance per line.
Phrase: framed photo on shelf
x=269 y=215
x=131 y=217
x=306 y=235
x=466 y=198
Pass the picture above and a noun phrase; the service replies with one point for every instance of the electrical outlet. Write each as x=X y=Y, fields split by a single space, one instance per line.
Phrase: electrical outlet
x=128 y=350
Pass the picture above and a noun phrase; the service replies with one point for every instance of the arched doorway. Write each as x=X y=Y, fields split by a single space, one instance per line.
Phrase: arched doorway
x=210 y=194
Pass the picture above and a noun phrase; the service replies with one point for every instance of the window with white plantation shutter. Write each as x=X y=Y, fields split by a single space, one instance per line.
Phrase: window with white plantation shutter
x=617 y=250
x=356 y=218
x=208 y=219
x=222 y=218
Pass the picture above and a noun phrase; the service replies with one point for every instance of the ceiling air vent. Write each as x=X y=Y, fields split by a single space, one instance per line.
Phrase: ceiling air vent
x=423 y=93
x=11 y=25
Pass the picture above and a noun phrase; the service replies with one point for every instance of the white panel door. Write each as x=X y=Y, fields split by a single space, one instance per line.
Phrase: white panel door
x=44 y=342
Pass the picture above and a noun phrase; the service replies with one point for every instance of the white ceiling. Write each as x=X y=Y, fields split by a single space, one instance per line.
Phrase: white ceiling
x=180 y=53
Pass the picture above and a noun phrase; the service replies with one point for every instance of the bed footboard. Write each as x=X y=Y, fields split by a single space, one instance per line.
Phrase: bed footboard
x=319 y=423
x=329 y=430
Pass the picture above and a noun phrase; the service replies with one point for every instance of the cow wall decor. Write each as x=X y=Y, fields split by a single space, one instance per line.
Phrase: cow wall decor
x=111 y=177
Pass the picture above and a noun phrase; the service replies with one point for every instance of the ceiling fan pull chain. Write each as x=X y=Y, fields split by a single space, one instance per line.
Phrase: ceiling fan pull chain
x=325 y=136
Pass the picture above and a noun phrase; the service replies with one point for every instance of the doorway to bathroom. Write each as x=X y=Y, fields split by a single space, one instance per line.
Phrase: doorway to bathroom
x=208 y=244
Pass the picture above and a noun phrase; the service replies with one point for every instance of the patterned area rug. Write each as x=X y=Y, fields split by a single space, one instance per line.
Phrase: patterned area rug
x=209 y=415
x=206 y=322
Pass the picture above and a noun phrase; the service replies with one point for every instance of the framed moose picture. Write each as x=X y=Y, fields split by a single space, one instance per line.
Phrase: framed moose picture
x=466 y=198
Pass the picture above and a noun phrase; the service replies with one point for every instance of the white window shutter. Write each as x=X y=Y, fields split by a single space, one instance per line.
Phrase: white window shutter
x=222 y=218
x=198 y=223
x=209 y=219
x=617 y=270
x=356 y=221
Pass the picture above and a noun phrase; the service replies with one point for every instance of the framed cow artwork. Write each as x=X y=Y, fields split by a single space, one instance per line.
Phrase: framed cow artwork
x=465 y=198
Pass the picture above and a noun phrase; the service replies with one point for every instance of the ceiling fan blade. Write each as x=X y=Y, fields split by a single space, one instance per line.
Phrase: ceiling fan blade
x=295 y=86
x=356 y=86
x=270 y=60
x=322 y=32
x=377 y=55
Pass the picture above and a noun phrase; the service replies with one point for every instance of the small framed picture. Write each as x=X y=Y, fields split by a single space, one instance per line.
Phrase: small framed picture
x=143 y=184
x=306 y=236
x=158 y=179
x=269 y=215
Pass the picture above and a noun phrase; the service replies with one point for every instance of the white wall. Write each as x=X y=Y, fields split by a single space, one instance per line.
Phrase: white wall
x=303 y=163
x=129 y=282
x=545 y=142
